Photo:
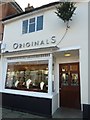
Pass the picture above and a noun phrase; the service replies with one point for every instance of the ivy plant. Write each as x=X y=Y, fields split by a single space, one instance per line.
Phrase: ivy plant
x=65 y=10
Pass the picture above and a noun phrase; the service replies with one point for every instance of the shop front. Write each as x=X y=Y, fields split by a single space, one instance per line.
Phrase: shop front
x=29 y=79
x=44 y=80
x=43 y=67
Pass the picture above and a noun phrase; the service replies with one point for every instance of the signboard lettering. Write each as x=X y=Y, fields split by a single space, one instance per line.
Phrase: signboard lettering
x=52 y=40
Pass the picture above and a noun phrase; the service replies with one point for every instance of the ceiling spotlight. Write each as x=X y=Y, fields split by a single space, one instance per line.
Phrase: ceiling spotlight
x=67 y=54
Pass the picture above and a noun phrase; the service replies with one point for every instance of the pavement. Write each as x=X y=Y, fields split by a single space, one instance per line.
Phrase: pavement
x=8 y=114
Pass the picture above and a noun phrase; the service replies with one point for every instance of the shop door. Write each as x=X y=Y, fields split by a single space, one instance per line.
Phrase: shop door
x=69 y=85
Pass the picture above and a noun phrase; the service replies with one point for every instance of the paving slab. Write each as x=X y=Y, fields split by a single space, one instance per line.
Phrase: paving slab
x=60 y=113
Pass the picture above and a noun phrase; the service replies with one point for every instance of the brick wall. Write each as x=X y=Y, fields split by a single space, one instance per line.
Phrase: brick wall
x=6 y=9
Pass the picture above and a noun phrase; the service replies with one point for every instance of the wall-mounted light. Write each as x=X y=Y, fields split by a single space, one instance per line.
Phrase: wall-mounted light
x=3 y=46
x=67 y=54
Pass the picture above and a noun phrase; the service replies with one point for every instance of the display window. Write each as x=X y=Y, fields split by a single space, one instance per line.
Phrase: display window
x=30 y=76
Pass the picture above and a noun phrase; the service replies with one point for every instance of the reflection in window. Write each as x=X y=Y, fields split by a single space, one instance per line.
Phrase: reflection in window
x=32 y=76
x=64 y=79
x=74 y=79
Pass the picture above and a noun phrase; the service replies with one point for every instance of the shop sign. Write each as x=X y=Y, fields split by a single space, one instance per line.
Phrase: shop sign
x=52 y=40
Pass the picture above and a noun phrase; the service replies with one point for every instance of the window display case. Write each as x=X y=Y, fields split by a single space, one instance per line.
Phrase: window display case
x=27 y=76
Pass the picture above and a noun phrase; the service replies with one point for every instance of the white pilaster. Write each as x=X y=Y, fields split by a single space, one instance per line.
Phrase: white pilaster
x=50 y=74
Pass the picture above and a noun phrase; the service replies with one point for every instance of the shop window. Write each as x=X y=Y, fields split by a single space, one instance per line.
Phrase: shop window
x=25 y=26
x=30 y=76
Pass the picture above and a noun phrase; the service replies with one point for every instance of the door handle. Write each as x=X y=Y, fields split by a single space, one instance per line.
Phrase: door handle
x=59 y=88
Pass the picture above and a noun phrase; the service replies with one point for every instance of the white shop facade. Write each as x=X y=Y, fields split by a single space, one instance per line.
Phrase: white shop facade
x=41 y=71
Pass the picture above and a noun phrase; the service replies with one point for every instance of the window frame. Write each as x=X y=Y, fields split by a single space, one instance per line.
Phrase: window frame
x=28 y=60
x=35 y=23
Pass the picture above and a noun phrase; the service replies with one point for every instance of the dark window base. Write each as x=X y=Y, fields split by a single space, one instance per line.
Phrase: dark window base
x=86 y=111
x=34 y=105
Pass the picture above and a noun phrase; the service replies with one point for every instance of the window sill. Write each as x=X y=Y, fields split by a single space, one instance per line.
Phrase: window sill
x=25 y=89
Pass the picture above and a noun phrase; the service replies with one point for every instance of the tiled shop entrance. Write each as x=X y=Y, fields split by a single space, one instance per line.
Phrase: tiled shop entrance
x=60 y=113
x=67 y=113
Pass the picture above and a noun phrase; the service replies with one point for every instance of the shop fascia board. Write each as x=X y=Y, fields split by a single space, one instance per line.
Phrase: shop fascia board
x=29 y=52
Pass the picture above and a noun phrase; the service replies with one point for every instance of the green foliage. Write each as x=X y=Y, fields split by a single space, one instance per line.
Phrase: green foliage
x=65 y=10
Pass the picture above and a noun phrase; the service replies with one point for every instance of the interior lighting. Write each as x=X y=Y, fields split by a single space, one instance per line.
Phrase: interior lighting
x=67 y=54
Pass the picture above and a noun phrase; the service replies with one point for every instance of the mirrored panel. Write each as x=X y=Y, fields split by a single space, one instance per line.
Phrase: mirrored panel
x=64 y=68
x=73 y=68
x=64 y=79
x=74 y=79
